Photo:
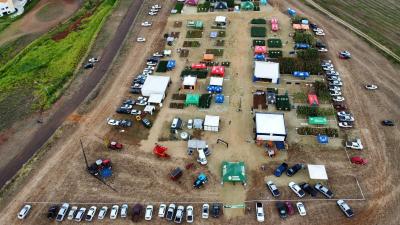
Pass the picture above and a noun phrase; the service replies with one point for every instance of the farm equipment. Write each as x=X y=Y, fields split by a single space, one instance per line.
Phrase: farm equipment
x=159 y=151
x=176 y=174
x=269 y=149
x=102 y=168
x=201 y=179
x=115 y=145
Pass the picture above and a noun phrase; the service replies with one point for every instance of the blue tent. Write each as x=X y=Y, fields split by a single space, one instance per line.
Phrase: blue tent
x=291 y=12
x=301 y=74
x=304 y=22
x=171 y=64
x=280 y=145
x=213 y=34
x=214 y=89
x=301 y=46
x=263 y=2
x=322 y=139
x=219 y=99
x=259 y=57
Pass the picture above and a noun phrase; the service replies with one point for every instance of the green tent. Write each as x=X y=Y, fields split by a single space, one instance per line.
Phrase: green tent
x=233 y=172
x=192 y=99
x=283 y=102
x=247 y=6
x=197 y=24
x=317 y=120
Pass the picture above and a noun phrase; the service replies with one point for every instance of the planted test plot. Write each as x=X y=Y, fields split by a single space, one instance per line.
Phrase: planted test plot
x=258 y=42
x=258 y=32
x=215 y=52
x=274 y=43
x=192 y=44
x=194 y=34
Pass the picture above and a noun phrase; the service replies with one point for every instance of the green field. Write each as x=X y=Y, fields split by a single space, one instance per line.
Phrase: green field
x=379 y=20
x=37 y=76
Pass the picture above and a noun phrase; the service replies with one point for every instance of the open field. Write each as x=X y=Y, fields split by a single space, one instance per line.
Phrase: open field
x=141 y=177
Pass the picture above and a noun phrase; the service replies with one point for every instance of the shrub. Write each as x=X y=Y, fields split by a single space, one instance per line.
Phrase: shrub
x=258 y=21
x=330 y=132
x=321 y=90
x=275 y=53
x=201 y=74
x=258 y=32
x=193 y=44
x=305 y=110
x=194 y=34
x=304 y=37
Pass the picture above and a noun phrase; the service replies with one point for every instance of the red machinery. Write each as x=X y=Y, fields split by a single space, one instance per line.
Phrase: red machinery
x=115 y=145
x=159 y=151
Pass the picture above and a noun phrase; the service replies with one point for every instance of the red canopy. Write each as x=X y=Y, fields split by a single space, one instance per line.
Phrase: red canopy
x=199 y=66
x=274 y=27
x=260 y=49
x=274 y=21
x=313 y=100
x=218 y=70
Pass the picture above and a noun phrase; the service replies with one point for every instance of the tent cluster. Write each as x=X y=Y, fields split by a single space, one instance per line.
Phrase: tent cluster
x=260 y=52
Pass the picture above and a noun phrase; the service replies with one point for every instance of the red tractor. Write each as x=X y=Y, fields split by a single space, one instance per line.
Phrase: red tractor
x=115 y=145
x=159 y=151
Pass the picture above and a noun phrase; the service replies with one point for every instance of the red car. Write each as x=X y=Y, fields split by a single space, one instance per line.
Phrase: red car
x=115 y=145
x=358 y=160
x=290 y=208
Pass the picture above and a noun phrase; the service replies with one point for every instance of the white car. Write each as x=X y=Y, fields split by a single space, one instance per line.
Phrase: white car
x=135 y=112
x=113 y=122
x=345 y=125
x=23 y=213
x=345 y=208
x=80 y=214
x=154 y=10
x=102 y=212
x=161 y=210
x=332 y=78
x=323 y=50
x=296 y=189
x=332 y=73
x=124 y=210
x=149 y=212
x=141 y=39
x=71 y=213
x=338 y=99
x=150 y=68
x=343 y=113
x=189 y=214
x=156 y=6
x=179 y=214
x=273 y=188
x=190 y=124
x=335 y=88
x=90 y=214
x=114 y=212
x=205 y=211
x=335 y=93
x=142 y=102
x=61 y=213
x=152 y=13
x=93 y=60
x=320 y=33
x=260 y=212
x=301 y=208
x=158 y=54
x=146 y=24
x=371 y=87
x=354 y=144
x=151 y=63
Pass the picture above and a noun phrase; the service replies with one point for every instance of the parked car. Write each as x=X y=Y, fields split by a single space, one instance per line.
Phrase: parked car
x=259 y=212
x=180 y=213
x=102 y=213
x=273 y=188
x=205 y=210
x=354 y=144
x=345 y=124
x=282 y=210
x=156 y=6
x=141 y=102
x=371 y=87
x=301 y=208
x=280 y=169
x=158 y=54
x=149 y=212
x=343 y=113
x=141 y=39
x=23 y=213
x=114 y=212
x=322 y=49
x=189 y=214
x=294 y=169
x=113 y=122
x=61 y=213
x=346 y=118
x=52 y=211
x=161 y=210
x=309 y=189
x=124 y=210
x=335 y=93
x=170 y=212
x=324 y=190
x=135 y=91
x=136 y=112
x=72 y=212
x=126 y=123
x=88 y=66
x=320 y=33
x=190 y=124
x=136 y=212
x=332 y=73
x=80 y=214
x=334 y=88
x=344 y=55
x=296 y=189
x=387 y=123
x=335 y=83
x=90 y=214
x=146 y=24
x=345 y=208
x=358 y=160
x=333 y=78
x=146 y=123
x=215 y=210
x=338 y=98
x=123 y=111
x=289 y=207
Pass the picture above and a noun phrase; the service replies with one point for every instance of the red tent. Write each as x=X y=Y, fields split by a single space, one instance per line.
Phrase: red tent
x=218 y=70
x=274 y=21
x=192 y=2
x=199 y=66
x=260 y=49
x=274 y=27
x=313 y=100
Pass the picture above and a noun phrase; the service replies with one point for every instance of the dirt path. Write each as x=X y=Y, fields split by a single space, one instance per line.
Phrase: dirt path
x=64 y=110
x=33 y=22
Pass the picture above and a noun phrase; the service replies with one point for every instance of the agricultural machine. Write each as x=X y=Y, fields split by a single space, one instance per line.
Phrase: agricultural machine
x=201 y=179
x=269 y=149
x=115 y=145
x=101 y=168
x=159 y=151
x=175 y=174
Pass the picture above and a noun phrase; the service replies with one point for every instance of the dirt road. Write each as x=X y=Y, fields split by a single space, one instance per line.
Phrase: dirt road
x=64 y=110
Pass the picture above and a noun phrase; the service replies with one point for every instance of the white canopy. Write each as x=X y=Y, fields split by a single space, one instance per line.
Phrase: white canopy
x=155 y=98
x=197 y=144
x=266 y=70
x=155 y=85
x=189 y=81
x=149 y=109
x=211 y=123
x=216 y=81
x=220 y=19
x=270 y=126
x=317 y=172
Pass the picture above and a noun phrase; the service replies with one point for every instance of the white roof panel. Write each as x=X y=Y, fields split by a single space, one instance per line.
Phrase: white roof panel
x=155 y=98
x=266 y=69
x=317 y=172
x=212 y=121
x=155 y=85
x=216 y=81
x=220 y=19
x=189 y=81
x=270 y=123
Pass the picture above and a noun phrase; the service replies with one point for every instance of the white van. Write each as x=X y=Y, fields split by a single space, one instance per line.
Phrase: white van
x=202 y=157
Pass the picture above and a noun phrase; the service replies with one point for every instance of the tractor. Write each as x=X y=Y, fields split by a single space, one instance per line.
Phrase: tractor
x=159 y=151
x=201 y=179
x=115 y=145
x=102 y=167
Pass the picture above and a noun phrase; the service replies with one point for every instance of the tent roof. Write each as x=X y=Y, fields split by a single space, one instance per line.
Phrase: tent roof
x=233 y=172
x=270 y=123
x=221 y=5
x=313 y=99
x=212 y=121
x=220 y=19
x=208 y=57
x=216 y=81
x=260 y=49
x=213 y=34
x=189 y=81
x=192 y=99
x=247 y=5
x=317 y=172
x=149 y=108
x=155 y=98
x=266 y=69
x=198 y=123
x=219 y=70
x=199 y=144
x=157 y=84
x=192 y=2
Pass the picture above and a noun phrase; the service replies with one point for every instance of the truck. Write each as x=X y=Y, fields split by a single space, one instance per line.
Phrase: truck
x=281 y=169
x=354 y=144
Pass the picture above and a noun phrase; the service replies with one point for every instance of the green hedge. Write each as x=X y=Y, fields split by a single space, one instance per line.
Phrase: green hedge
x=162 y=66
x=203 y=7
x=201 y=74
x=258 y=31
x=193 y=44
x=304 y=37
x=205 y=101
x=305 y=110
x=194 y=34
x=274 y=43
x=275 y=53
x=330 y=132
x=179 y=6
x=258 y=21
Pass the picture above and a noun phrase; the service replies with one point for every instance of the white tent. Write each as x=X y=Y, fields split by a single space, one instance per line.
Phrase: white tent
x=189 y=82
x=216 y=81
x=270 y=127
x=317 y=172
x=149 y=109
x=155 y=85
x=220 y=20
x=155 y=99
x=266 y=71
x=167 y=52
x=211 y=123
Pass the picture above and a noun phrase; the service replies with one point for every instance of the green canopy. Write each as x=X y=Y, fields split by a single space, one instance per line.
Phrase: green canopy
x=192 y=99
x=317 y=120
x=233 y=172
x=247 y=6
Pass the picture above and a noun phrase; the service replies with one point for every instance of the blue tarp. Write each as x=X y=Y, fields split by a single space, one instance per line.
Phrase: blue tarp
x=304 y=22
x=301 y=74
x=171 y=64
x=219 y=99
x=214 y=89
x=213 y=34
x=322 y=139
x=301 y=46
x=291 y=12
x=259 y=57
x=280 y=145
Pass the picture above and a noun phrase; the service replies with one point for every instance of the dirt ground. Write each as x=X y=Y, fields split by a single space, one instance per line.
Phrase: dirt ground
x=140 y=177
x=45 y=15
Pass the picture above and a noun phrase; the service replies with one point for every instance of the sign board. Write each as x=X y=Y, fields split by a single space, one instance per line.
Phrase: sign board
x=237 y=206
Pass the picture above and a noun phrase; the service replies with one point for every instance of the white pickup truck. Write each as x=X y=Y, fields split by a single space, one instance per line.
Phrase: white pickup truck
x=354 y=144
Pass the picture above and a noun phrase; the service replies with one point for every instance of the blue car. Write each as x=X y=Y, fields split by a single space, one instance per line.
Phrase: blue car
x=281 y=169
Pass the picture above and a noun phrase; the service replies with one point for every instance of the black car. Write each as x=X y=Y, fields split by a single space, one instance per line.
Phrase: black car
x=146 y=123
x=387 y=123
x=123 y=111
x=319 y=44
x=126 y=123
x=88 y=66
x=309 y=189
x=215 y=210
x=294 y=169
x=129 y=102
x=135 y=90
x=313 y=25
x=281 y=210
x=52 y=212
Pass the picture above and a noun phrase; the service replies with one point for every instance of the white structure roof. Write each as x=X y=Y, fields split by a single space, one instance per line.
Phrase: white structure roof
x=317 y=172
x=269 y=70
x=155 y=85
x=149 y=108
x=189 y=81
x=155 y=98
x=216 y=81
x=220 y=19
x=270 y=123
x=197 y=144
x=212 y=121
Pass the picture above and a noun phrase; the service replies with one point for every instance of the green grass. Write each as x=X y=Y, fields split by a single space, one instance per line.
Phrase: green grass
x=6 y=21
x=10 y=49
x=45 y=66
